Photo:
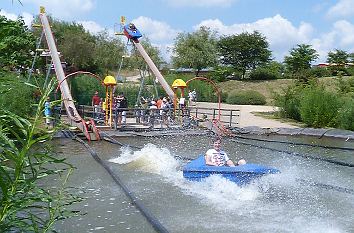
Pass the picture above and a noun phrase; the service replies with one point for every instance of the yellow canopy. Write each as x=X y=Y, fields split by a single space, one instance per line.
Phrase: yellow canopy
x=109 y=81
x=178 y=83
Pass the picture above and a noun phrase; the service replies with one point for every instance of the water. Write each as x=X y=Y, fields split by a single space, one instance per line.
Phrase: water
x=286 y=202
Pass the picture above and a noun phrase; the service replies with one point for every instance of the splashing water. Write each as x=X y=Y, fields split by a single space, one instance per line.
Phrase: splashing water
x=215 y=189
x=149 y=159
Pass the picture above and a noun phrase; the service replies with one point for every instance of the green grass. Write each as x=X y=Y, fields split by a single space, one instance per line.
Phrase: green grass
x=267 y=87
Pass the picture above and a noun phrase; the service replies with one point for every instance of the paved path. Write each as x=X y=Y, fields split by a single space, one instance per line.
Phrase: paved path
x=247 y=118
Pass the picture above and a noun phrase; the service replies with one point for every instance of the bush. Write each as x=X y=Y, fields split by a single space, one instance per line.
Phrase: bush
x=345 y=119
x=263 y=73
x=350 y=70
x=346 y=85
x=289 y=102
x=320 y=72
x=319 y=108
x=15 y=95
x=246 y=97
x=83 y=88
x=26 y=163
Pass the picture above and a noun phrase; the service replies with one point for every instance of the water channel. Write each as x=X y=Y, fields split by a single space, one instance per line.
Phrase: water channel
x=309 y=195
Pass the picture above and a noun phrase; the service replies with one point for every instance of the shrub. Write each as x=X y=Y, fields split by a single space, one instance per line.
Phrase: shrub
x=83 y=87
x=15 y=95
x=350 y=70
x=289 y=102
x=246 y=97
x=320 y=72
x=318 y=107
x=346 y=85
x=345 y=119
x=25 y=162
x=263 y=73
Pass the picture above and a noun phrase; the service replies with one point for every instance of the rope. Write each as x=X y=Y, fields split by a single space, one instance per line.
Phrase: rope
x=298 y=143
x=146 y=213
x=298 y=154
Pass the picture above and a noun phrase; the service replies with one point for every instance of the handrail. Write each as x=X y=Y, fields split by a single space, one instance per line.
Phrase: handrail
x=229 y=117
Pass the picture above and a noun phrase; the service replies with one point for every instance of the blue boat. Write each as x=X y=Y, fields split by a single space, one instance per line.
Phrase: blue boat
x=197 y=170
x=131 y=32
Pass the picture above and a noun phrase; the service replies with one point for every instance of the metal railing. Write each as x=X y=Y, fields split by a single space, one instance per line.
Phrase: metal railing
x=164 y=117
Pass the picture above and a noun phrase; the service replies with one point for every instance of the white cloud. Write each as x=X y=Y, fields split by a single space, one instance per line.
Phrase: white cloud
x=345 y=32
x=26 y=17
x=91 y=26
x=281 y=34
x=200 y=3
x=156 y=31
x=95 y=28
x=343 y=8
x=341 y=37
x=64 y=9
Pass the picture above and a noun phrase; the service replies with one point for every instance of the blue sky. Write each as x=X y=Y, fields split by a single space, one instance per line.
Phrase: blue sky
x=326 y=24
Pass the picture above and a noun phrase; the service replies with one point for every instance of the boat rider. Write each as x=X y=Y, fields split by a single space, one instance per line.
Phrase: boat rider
x=218 y=157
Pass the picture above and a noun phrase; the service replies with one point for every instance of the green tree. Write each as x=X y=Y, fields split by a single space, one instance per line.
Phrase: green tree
x=108 y=52
x=245 y=51
x=339 y=57
x=351 y=57
x=138 y=62
x=300 y=58
x=76 y=45
x=16 y=45
x=195 y=50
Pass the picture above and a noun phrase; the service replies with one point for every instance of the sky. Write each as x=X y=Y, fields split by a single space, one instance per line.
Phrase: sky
x=325 y=24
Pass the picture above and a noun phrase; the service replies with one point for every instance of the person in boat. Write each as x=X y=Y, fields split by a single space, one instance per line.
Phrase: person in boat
x=218 y=157
x=132 y=27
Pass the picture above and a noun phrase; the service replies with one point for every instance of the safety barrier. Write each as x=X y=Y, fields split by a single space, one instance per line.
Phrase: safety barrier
x=186 y=117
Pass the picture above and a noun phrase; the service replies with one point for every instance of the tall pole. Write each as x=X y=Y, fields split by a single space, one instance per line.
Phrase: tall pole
x=154 y=69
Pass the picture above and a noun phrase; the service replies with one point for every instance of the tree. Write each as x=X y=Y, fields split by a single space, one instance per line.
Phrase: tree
x=76 y=45
x=300 y=58
x=16 y=45
x=195 y=50
x=138 y=62
x=351 y=57
x=338 y=59
x=245 y=51
x=108 y=52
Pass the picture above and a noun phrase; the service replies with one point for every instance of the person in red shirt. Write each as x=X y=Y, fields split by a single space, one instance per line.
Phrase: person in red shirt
x=96 y=105
x=159 y=102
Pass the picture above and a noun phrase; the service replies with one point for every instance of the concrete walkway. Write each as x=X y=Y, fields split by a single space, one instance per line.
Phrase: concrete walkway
x=247 y=118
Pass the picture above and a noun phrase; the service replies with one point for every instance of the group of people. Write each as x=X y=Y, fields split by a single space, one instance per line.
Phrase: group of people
x=155 y=108
x=119 y=103
x=213 y=157
x=192 y=96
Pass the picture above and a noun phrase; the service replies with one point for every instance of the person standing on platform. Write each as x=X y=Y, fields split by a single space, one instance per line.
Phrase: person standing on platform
x=47 y=112
x=95 y=102
x=121 y=105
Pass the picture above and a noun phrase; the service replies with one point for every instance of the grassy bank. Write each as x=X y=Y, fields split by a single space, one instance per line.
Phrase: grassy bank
x=267 y=87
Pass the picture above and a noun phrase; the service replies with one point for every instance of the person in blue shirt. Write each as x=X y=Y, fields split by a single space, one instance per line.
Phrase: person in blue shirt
x=47 y=111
